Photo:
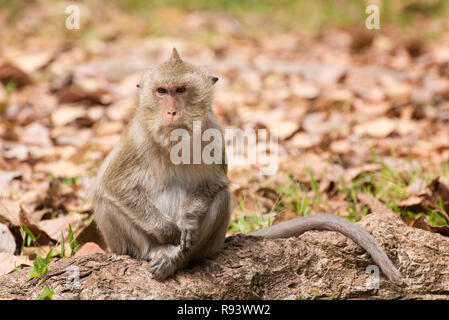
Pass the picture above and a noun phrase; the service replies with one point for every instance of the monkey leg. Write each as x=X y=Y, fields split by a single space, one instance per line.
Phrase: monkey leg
x=213 y=227
x=165 y=260
x=122 y=236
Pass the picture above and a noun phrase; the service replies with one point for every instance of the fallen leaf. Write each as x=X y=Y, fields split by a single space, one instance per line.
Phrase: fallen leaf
x=352 y=173
x=27 y=219
x=374 y=204
x=60 y=169
x=9 y=72
x=285 y=215
x=91 y=234
x=10 y=210
x=443 y=230
x=33 y=252
x=439 y=190
x=417 y=187
x=341 y=146
x=36 y=134
x=9 y=262
x=379 y=128
x=88 y=248
x=54 y=227
x=7 y=241
x=410 y=202
x=72 y=95
x=66 y=114
x=33 y=62
x=5 y=178
x=304 y=140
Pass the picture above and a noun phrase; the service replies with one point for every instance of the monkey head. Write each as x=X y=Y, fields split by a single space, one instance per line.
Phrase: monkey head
x=175 y=93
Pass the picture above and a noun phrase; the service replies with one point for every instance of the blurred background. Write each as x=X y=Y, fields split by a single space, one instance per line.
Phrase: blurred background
x=362 y=115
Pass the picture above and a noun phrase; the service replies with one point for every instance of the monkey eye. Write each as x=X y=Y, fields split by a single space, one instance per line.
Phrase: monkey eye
x=181 y=89
x=161 y=90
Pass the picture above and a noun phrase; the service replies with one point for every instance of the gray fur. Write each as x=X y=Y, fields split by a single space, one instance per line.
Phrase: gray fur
x=149 y=208
x=298 y=226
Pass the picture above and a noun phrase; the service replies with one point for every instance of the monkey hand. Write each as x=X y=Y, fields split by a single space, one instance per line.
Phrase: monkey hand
x=188 y=237
x=189 y=230
x=169 y=233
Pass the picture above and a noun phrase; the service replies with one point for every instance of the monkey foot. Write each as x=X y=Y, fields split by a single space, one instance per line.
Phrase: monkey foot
x=164 y=262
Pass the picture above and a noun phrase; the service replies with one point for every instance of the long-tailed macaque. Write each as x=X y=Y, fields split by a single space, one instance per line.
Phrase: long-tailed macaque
x=172 y=214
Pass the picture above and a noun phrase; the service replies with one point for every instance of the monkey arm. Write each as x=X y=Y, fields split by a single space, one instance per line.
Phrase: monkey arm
x=363 y=238
x=134 y=201
x=196 y=205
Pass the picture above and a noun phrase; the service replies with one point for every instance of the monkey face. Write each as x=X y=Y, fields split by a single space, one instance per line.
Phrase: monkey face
x=176 y=93
x=172 y=99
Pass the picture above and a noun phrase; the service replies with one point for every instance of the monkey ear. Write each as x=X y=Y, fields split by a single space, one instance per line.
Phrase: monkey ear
x=213 y=79
x=175 y=55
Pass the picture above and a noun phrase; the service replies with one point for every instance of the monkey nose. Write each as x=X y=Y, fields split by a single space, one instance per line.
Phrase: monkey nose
x=171 y=113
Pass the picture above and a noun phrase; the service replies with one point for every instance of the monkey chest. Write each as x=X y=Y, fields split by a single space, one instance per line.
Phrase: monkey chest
x=169 y=198
x=169 y=194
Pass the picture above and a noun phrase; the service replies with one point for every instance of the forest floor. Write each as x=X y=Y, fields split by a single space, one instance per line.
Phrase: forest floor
x=361 y=116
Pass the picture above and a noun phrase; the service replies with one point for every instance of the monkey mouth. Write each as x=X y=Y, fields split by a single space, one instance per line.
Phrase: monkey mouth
x=171 y=126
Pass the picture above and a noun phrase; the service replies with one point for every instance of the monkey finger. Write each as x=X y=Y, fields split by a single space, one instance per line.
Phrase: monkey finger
x=183 y=240
x=189 y=238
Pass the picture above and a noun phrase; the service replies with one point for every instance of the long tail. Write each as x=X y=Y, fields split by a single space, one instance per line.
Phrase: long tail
x=322 y=221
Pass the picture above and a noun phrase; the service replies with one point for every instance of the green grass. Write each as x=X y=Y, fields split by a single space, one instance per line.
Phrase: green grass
x=310 y=15
x=144 y=17
x=389 y=185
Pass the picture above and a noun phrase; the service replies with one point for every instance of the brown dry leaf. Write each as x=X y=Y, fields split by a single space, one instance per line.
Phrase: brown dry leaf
x=54 y=227
x=27 y=219
x=33 y=252
x=353 y=173
x=374 y=204
x=36 y=134
x=341 y=146
x=422 y=223
x=298 y=166
x=71 y=136
x=33 y=61
x=73 y=95
x=60 y=169
x=66 y=114
x=338 y=206
x=7 y=241
x=3 y=97
x=285 y=215
x=108 y=128
x=422 y=203
x=9 y=262
x=283 y=128
x=410 y=202
x=106 y=143
x=304 y=90
x=121 y=110
x=9 y=72
x=17 y=151
x=10 y=210
x=443 y=230
x=417 y=187
x=372 y=109
x=91 y=234
x=379 y=128
x=38 y=193
x=440 y=190
x=88 y=248
x=261 y=200
x=304 y=140
x=5 y=179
